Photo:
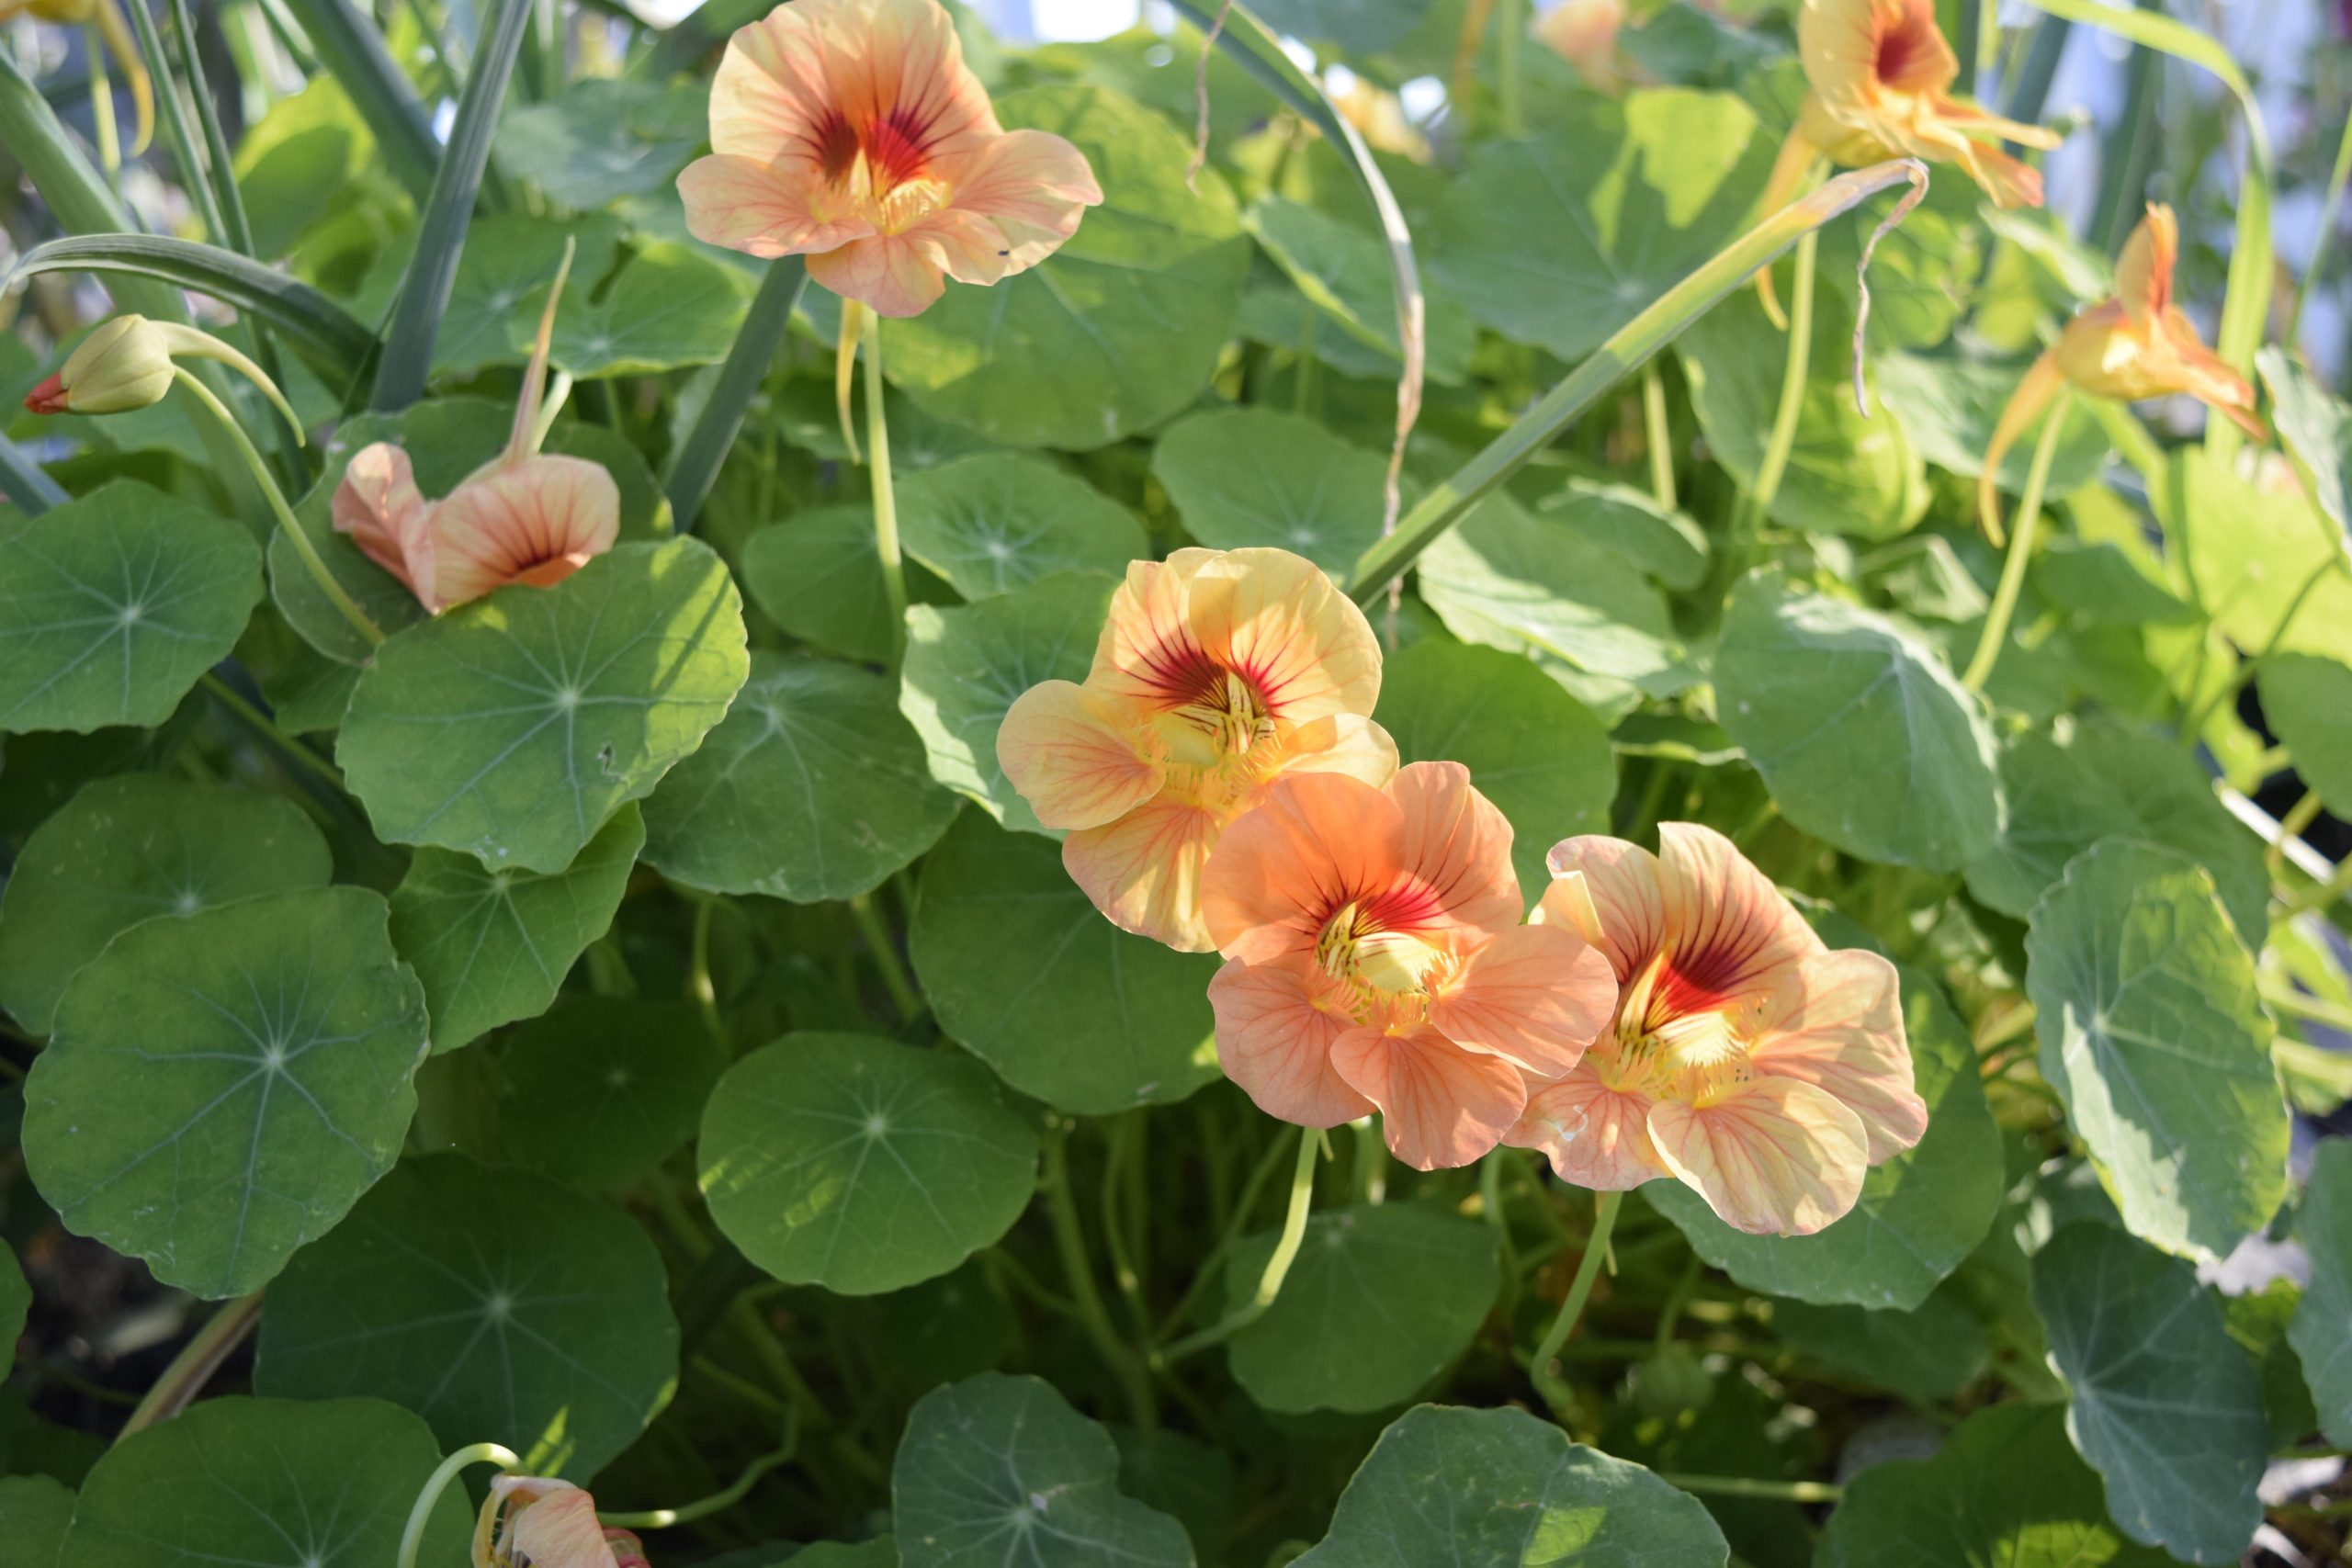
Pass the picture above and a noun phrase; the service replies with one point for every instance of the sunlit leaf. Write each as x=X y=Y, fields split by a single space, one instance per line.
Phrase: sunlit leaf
x=1258 y=477
x=998 y=521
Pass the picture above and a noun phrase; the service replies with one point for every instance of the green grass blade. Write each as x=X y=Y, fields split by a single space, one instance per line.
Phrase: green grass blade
x=441 y=238
x=1660 y=323
x=695 y=467
x=354 y=50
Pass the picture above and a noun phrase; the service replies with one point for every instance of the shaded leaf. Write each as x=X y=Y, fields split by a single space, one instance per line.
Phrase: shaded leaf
x=600 y=1090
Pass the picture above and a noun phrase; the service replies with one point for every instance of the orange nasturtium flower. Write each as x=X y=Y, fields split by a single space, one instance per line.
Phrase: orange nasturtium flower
x=2137 y=344
x=527 y=1522
x=1217 y=672
x=525 y=516
x=850 y=132
x=107 y=20
x=1747 y=1059
x=1375 y=958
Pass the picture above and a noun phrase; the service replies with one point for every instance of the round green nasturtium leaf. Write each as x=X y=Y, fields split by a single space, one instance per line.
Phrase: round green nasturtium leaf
x=513 y=728
x=600 y=140
x=266 y=1483
x=2065 y=793
x=494 y=946
x=1657 y=541
x=1860 y=729
x=1381 y=1299
x=1064 y=1005
x=1510 y=580
x=813 y=787
x=116 y=602
x=2099 y=582
x=2167 y=1406
x=2321 y=1331
x=999 y=1469
x=1928 y=1353
x=2005 y=1488
x=1498 y=1489
x=954 y=1326
x=128 y=849
x=882 y=1551
x=2316 y=430
x=2307 y=702
x=1950 y=407
x=1604 y=215
x=2252 y=555
x=1117 y=331
x=863 y=1165
x=1241 y=477
x=494 y=1303
x=1343 y=271
x=1539 y=754
x=1920 y=1215
x=35 y=1511
x=966 y=667
x=667 y=307
x=1003 y=520
x=2153 y=1036
x=15 y=1300
x=219 y=1089
x=599 y=1092
x=818 y=577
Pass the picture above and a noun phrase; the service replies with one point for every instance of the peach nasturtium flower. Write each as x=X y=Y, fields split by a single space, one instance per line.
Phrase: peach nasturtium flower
x=1375 y=958
x=1217 y=672
x=850 y=132
x=2137 y=344
x=525 y=516
x=1584 y=33
x=1747 y=1059
x=527 y=1522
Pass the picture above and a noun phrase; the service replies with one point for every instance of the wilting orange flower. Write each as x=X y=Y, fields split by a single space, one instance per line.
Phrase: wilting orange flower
x=1376 y=959
x=1216 y=673
x=1584 y=33
x=2137 y=344
x=527 y=1522
x=525 y=516
x=1747 y=1059
x=105 y=17
x=849 y=132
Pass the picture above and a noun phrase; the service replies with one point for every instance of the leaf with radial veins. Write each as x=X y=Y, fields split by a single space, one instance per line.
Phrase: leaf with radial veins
x=129 y=849
x=494 y=946
x=513 y=728
x=35 y=1512
x=863 y=1165
x=998 y=1469
x=1063 y=1004
x=966 y=667
x=2307 y=702
x=219 y=1089
x=266 y=1483
x=1343 y=271
x=2154 y=1038
x=812 y=788
x=112 y=606
x=1920 y=1213
x=2167 y=1406
x=600 y=1090
x=1381 y=1299
x=1242 y=477
x=1001 y=521
x=2321 y=1331
x=1500 y=1488
x=495 y=1305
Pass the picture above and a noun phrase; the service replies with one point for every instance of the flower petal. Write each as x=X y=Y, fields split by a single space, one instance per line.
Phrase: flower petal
x=2143 y=271
x=380 y=507
x=1727 y=927
x=1595 y=1136
x=893 y=275
x=1074 y=765
x=537 y=521
x=1835 y=1022
x=1339 y=743
x=1455 y=852
x=558 y=1530
x=1619 y=882
x=1019 y=199
x=760 y=209
x=1275 y=1026
x=1442 y=1106
x=1143 y=870
x=1535 y=996
x=1770 y=1156
x=1314 y=841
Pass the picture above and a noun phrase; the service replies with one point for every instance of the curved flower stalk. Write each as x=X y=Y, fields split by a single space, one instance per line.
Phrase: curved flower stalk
x=525 y=516
x=104 y=19
x=1217 y=672
x=1746 y=1059
x=126 y=363
x=849 y=132
x=527 y=1522
x=2136 y=345
x=1375 y=959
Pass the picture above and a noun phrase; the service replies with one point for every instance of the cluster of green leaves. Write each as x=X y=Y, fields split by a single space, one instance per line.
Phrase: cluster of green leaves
x=636 y=1021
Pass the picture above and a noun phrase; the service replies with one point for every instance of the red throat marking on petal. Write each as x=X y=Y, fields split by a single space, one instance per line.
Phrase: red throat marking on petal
x=1903 y=45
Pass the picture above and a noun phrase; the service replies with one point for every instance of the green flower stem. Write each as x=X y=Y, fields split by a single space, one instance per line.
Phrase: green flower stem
x=420 y=1513
x=1269 y=1284
x=221 y=692
x=317 y=568
x=1757 y=504
x=1627 y=349
x=1372 y=1161
x=1510 y=23
x=883 y=948
x=1069 y=1241
x=717 y=1502
x=1749 y=1486
x=700 y=989
x=1656 y=425
x=2193 y=724
x=1596 y=1249
x=1208 y=1270
x=1490 y=1205
x=2004 y=596
x=886 y=505
x=2300 y=815
x=2325 y=893
x=1124 y=1159
x=195 y=1363
x=2295 y=1004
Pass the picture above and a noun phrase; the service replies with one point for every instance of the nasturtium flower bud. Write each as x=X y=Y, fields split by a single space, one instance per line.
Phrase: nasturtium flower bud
x=530 y=1522
x=127 y=363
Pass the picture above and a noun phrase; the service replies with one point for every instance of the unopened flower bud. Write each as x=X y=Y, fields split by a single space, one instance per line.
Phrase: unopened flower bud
x=127 y=364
